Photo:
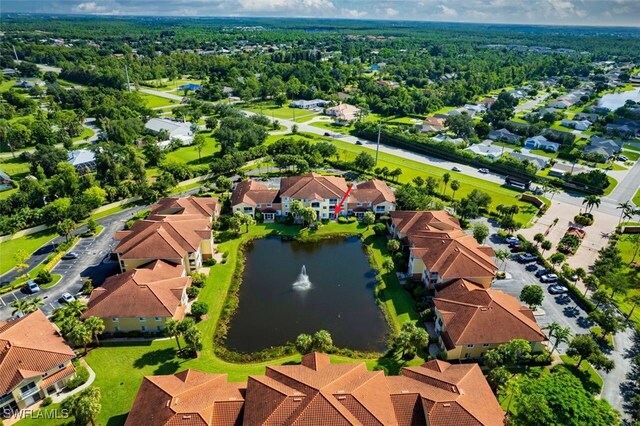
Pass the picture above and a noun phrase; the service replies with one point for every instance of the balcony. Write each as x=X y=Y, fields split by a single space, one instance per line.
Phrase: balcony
x=34 y=390
x=6 y=398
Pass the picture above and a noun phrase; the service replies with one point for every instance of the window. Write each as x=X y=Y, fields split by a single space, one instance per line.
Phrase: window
x=142 y=319
x=258 y=205
x=143 y=328
x=27 y=387
x=286 y=206
x=114 y=319
x=158 y=319
x=485 y=345
x=359 y=204
x=315 y=204
x=160 y=328
x=467 y=355
x=470 y=346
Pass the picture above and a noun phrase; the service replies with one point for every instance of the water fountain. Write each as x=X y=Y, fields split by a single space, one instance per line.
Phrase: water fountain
x=302 y=283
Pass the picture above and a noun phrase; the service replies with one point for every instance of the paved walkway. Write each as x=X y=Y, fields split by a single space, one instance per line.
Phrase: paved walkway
x=60 y=396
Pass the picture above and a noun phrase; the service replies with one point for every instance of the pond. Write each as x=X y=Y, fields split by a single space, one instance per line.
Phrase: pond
x=277 y=303
x=614 y=101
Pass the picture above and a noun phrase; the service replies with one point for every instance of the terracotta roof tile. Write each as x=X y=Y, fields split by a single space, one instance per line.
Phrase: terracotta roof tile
x=202 y=206
x=29 y=346
x=252 y=192
x=312 y=186
x=58 y=375
x=474 y=315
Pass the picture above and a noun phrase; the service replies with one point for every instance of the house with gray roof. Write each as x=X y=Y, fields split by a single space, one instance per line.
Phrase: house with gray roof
x=539 y=162
x=489 y=151
x=600 y=149
x=540 y=142
x=176 y=129
x=504 y=135
x=84 y=160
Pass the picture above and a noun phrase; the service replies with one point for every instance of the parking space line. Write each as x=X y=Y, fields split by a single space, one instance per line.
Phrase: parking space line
x=2 y=300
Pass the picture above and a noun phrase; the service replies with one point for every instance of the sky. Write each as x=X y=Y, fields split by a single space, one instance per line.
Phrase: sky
x=546 y=12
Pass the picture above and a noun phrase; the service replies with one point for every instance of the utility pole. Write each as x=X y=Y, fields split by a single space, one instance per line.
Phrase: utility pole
x=126 y=71
x=378 y=144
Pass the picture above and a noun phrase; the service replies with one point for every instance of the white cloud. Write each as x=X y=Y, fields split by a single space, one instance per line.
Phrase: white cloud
x=89 y=7
x=284 y=5
x=447 y=11
x=353 y=13
x=391 y=11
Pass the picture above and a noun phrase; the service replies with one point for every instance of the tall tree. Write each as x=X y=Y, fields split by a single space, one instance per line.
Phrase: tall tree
x=559 y=334
x=84 y=406
x=95 y=326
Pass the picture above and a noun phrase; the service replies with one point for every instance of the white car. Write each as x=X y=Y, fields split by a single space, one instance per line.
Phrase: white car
x=527 y=257
x=483 y=171
x=456 y=169
x=67 y=298
x=549 y=278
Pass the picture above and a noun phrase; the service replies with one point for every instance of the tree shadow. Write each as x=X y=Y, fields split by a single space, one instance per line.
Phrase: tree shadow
x=168 y=367
x=117 y=420
x=391 y=364
x=588 y=384
x=156 y=357
x=571 y=311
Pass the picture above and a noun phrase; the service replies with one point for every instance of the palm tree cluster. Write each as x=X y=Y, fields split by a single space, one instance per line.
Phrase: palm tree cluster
x=77 y=332
x=187 y=330
x=627 y=211
x=27 y=305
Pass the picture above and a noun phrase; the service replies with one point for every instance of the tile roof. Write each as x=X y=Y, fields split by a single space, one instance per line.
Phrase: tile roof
x=320 y=393
x=58 y=375
x=153 y=291
x=252 y=192
x=163 y=237
x=204 y=206
x=407 y=222
x=312 y=186
x=475 y=315
x=374 y=191
x=29 y=347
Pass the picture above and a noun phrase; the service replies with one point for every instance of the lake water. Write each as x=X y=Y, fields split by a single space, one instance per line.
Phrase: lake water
x=340 y=300
x=614 y=101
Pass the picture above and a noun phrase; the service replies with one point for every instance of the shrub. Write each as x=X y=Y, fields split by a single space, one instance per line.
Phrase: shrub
x=82 y=375
x=442 y=355
x=342 y=219
x=87 y=286
x=198 y=309
x=584 y=219
x=44 y=277
x=428 y=315
x=193 y=291
x=198 y=279
x=379 y=228
x=351 y=219
x=47 y=401
x=210 y=262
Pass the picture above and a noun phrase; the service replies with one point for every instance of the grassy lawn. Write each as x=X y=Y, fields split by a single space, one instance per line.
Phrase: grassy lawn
x=14 y=167
x=589 y=377
x=612 y=185
x=272 y=110
x=8 y=193
x=636 y=198
x=86 y=134
x=543 y=153
x=411 y=169
x=29 y=243
x=164 y=85
x=631 y=147
x=120 y=367
x=154 y=101
x=189 y=154
x=631 y=155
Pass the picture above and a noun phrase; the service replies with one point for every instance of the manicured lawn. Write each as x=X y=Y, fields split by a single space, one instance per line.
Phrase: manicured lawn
x=29 y=243
x=120 y=367
x=636 y=198
x=14 y=167
x=164 y=85
x=271 y=110
x=8 y=193
x=411 y=169
x=154 y=101
x=612 y=185
x=189 y=154
x=631 y=147
x=631 y=155
x=589 y=377
x=86 y=134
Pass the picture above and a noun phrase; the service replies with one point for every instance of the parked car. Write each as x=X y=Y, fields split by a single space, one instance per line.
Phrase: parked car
x=483 y=170
x=557 y=289
x=512 y=240
x=542 y=272
x=67 y=298
x=623 y=158
x=70 y=255
x=527 y=257
x=327 y=134
x=456 y=169
x=31 y=287
x=549 y=278
x=515 y=247
x=358 y=142
x=531 y=267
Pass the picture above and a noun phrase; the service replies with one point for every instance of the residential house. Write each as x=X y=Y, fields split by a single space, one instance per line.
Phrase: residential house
x=540 y=142
x=141 y=299
x=317 y=392
x=35 y=362
x=177 y=239
x=440 y=251
x=539 y=162
x=586 y=116
x=576 y=124
x=560 y=103
x=432 y=124
x=488 y=102
x=321 y=193
x=447 y=138
x=504 y=135
x=560 y=169
x=312 y=104
x=9 y=71
x=343 y=113
x=190 y=86
x=600 y=149
x=624 y=128
x=388 y=84
x=176 y=130
x=471 y=320
x=84 y=160
x=191 y=205
x=489 y=151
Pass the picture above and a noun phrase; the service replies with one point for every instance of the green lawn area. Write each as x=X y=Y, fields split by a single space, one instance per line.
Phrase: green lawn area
x=271 y=110
x=631 y=147
x=589 y=377
x=154 y=101
x=411 y=169
x=636 y=198
x=6 y=85
x=189 y=154
x=544 y=153
x=86 y=134
x=8 y=193
x=164 y=85
x=120 y=367
x=29 y=243
x=14 y=167
x=631 y=155
x=612 y=185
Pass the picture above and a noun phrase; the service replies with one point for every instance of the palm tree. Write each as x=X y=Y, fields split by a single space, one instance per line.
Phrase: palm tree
x=538 y=238
x=173 y=329
x=502 y=255
x=591 y=201
x=445 y=180
x=80 y=336
x=95 y=326
x=35 y=303
x=561 y=335
x=624 y=208
x=20 y=305
x=455 y=185
x=591 y=283
x=553 y=190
